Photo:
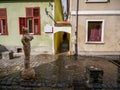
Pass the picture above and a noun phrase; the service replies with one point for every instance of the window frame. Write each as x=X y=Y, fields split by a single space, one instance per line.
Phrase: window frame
x=102 y=30
x=96 y=1
x=27 y=24
x=33 y=18
x=24 y=21
x=4 y=17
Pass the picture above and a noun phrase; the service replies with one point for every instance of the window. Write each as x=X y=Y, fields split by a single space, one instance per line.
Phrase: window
x=3 y=22
x=96 y=0
x=32 y=20
x=94 y=31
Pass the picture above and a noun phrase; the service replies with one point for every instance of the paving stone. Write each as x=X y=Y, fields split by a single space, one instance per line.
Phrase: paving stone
x=46 y=69
x=32 y=84
x=4 y=87
x=9 y=82
x=3 y=82
x=28 y=88
x=39 y=84
x=9 y=88
x=25 y=84
x=14 y=83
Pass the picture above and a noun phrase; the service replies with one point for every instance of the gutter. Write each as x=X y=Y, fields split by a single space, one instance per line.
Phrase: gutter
x=76 y=31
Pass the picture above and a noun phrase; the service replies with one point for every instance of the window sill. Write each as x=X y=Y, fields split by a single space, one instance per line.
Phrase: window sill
x=92 y=42
x=96 y=1
x=3 y=34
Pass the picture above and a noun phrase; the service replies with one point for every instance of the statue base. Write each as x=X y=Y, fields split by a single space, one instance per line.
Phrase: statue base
x=28 y=74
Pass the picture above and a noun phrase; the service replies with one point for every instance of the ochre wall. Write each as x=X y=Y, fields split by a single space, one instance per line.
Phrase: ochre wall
x=57 y=41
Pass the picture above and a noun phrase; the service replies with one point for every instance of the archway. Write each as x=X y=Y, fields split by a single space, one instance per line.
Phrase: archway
x=61 y=42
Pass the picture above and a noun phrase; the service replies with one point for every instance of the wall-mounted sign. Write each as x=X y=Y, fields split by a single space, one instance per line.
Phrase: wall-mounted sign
x=48 y=28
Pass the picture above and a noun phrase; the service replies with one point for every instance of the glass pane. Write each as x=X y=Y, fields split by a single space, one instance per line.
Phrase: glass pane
x=3 y=26
x=94 y=31
x=36 y=12
x=29 y=23
x=0 y=27
x=35 y=25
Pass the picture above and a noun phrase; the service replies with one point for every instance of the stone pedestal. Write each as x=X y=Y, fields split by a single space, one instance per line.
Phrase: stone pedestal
x=94 y=74
x=28 y=74
x=7 y=55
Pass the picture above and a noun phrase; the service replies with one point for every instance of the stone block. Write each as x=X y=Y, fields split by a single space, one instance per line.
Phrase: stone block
x=7 y=55
x=94 y=75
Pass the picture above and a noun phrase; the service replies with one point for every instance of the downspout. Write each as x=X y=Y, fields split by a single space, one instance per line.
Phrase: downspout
x=76 y=31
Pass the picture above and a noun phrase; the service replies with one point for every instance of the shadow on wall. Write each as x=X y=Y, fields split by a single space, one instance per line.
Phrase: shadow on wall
x=3 y=48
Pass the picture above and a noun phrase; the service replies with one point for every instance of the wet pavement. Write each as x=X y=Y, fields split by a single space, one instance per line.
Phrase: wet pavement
x=60 y=72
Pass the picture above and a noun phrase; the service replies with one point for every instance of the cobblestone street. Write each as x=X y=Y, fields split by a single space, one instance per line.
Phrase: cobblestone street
x=58 y=72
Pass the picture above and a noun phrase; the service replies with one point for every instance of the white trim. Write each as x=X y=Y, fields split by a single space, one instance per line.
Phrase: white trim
x=53 y=47
x=107 y=12
x=96 y=0
x=62 y=29
x=2 y=29
x=102 y=35
x=70 y=7
x=28 y=21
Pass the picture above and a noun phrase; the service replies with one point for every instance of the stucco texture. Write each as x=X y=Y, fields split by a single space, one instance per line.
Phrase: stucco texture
x=16 y=10
x=111 y=35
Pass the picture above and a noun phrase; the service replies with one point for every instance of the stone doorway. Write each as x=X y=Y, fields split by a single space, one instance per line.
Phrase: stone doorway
x=61 y=42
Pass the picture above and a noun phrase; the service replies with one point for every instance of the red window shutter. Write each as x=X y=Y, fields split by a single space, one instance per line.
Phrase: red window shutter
x=36 y=26
x=3 y=22
x=0 y=27
x=2 y=12
x=5 y=31
x=29 y=12
x=22 y=23
x=36 y=13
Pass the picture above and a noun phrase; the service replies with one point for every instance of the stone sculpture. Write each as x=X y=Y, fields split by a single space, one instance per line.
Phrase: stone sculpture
x=28 y=73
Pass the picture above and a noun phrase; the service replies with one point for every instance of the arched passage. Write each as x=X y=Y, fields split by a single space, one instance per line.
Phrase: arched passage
x=61 y=41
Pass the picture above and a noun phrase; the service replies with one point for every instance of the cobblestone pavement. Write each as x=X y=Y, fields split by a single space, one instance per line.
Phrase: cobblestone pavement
x=58 y=72
x=8 y=66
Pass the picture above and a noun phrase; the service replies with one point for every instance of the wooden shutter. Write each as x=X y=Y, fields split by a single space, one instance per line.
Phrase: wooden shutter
x=36 y=17
x=3 y=17
x=5 y=31
x=2 y=13
x=0 y=27
x=29 y=12
x=36 y=12
x=22 y=23
x=36 y=26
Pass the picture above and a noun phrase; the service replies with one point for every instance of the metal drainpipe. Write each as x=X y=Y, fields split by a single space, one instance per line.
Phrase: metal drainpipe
x=76 y=32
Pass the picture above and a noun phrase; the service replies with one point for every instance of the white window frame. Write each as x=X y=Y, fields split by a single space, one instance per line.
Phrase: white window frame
x=2 y=30
x=96 y=0
x=102 y=33
x=28 y=20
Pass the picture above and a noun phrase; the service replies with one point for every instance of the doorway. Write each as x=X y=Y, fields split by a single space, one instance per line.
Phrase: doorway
x=61 y=42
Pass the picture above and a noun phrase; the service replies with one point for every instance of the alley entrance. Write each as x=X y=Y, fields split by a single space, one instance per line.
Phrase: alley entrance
x=61 y=42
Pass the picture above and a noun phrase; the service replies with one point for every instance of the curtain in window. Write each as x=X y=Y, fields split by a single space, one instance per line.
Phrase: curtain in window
x=95 y=35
